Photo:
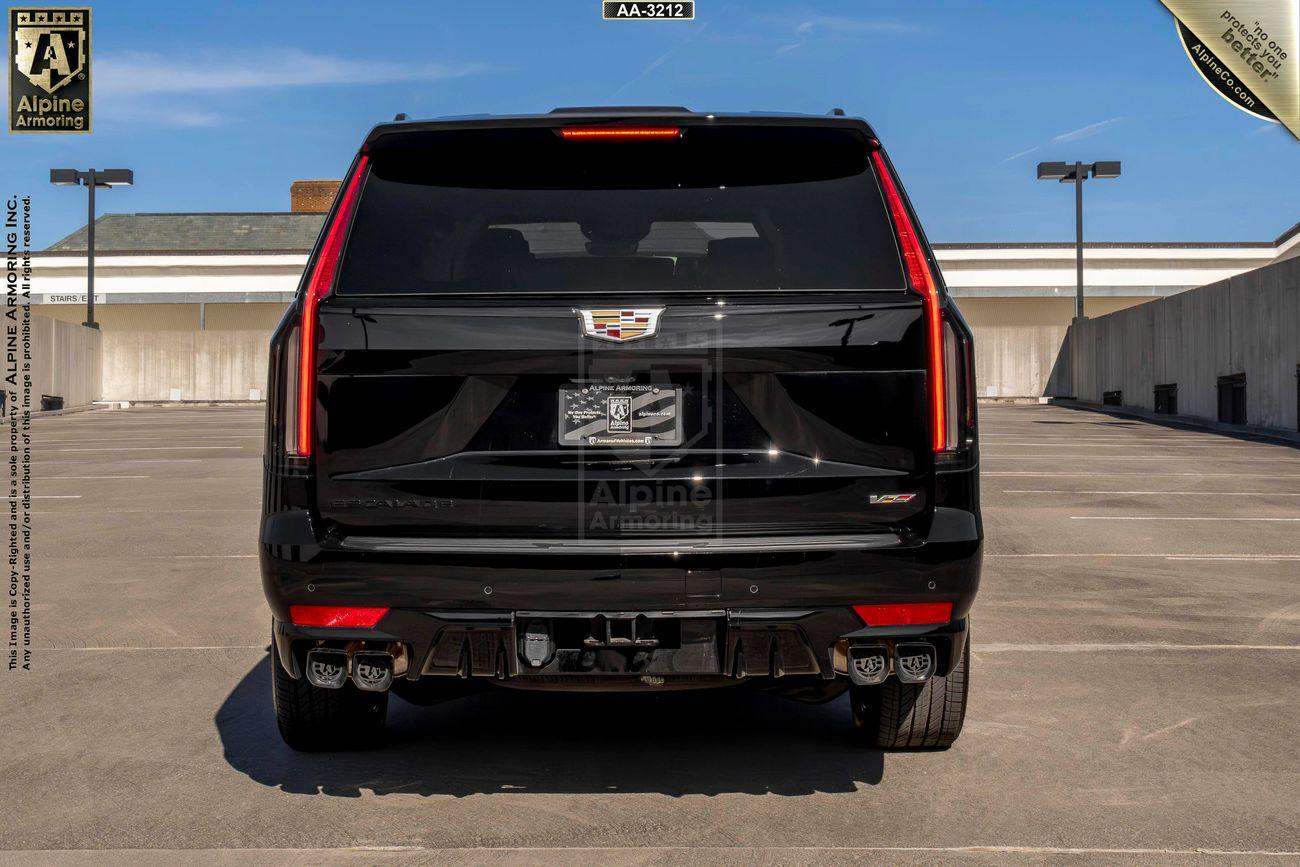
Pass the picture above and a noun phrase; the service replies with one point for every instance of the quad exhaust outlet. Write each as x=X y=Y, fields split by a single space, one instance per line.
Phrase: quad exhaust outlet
x=910 y=662
x=372 y=670
x=326 y=668
x=868 y=664
x=914 y=661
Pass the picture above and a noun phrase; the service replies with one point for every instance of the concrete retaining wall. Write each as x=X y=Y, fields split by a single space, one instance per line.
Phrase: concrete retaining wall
x=66 y=362
x=1247 y=324
x=1020 y=361
x=185 y=365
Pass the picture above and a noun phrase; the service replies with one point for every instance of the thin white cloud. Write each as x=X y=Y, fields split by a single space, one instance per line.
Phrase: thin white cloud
x=660 y=61
x=1082 y=132
x=1024 y=153
x=134 y=73
x=174 y=113
x=1088 y=131
x=186 y=119
x=1266 y=128
x=831 y=25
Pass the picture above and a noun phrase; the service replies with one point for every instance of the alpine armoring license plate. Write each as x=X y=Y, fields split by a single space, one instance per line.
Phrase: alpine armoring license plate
x=596 y=414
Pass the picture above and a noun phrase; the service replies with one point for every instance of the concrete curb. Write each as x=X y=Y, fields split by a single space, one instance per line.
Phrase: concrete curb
x=70 y=410
x=1286 y=437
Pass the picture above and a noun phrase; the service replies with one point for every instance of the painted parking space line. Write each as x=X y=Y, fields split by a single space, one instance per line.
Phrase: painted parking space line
x=1261 y=558
x=201 y=557
x=127 y=648
x=1157 y=457
x=1220 y=558
x=753 y=854
x=1084 y=444
x=43 y=463
x=1157 y=493
x=1133 y=647
x=1178 y=518
x=45 y=497
x=1053 y=474
x=113 y=511
x=83 y=478
x=1144 y=435
x=154 y=449
x=170 y=439
x=128 y=426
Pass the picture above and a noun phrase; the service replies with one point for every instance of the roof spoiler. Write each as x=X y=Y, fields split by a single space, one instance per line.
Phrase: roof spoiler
x=622 y=109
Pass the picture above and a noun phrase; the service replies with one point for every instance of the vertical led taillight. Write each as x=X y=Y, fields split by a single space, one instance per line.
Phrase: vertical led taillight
x=943 y=418
x=300 y=413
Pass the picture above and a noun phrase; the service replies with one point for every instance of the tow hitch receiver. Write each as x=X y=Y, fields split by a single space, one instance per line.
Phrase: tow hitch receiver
x=914 y=662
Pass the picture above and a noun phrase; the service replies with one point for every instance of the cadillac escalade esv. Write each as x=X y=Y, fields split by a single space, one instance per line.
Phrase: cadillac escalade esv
x=621 y=399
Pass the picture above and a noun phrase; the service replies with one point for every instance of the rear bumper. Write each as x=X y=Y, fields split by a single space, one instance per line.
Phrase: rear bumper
x=661 y=648
x=719 y=615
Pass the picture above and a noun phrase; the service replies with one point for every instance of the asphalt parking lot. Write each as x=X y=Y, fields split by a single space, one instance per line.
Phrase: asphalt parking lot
x=1136 y=685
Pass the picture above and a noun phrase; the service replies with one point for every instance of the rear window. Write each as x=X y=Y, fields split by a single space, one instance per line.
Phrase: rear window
x=717 y=209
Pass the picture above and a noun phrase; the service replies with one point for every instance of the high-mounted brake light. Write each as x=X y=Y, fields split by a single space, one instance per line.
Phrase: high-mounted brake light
x=607 y=132
x=336 y=615
x=922 y=280
x=905 y=614
x=320 y=285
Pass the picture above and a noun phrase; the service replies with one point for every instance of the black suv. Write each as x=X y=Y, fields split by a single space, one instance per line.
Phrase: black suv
x=621 y=399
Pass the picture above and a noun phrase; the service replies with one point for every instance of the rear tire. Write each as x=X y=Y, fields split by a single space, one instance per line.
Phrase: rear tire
x=312 y=719
x=913 y=716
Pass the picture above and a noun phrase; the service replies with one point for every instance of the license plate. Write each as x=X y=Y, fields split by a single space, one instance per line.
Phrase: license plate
x=620 y=415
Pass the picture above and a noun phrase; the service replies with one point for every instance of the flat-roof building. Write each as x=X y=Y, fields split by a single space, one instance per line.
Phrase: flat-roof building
x=193 y=272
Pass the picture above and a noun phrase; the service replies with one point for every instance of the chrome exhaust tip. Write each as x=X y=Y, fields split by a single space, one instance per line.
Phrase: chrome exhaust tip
x=327 y=668
x=868 y=664
x=372 y=671
x=914 y=662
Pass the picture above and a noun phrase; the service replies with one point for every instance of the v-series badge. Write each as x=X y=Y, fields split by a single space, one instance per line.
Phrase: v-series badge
x=612 y=10
x=890 y=499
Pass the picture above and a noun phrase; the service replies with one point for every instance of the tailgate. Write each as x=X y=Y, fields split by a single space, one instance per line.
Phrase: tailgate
x=780 y=419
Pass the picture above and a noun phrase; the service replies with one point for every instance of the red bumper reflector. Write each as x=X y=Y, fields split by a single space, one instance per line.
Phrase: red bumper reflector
x=905 y=614
x=335 y=615
x=579 y=132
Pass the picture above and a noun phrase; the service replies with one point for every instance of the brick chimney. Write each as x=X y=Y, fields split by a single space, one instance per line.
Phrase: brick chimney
x=312 y=197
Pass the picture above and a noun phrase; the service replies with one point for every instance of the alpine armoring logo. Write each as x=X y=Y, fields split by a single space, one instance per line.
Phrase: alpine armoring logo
x=49 y=73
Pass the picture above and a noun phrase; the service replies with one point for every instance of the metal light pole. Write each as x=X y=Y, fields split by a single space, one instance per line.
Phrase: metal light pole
x=1077 y=174
x=90 y=179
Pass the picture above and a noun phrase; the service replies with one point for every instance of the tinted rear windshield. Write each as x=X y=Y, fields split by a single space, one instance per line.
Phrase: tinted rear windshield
x=715 y=209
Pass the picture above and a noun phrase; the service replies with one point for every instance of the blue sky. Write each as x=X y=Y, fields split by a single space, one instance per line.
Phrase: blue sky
x=219 y=106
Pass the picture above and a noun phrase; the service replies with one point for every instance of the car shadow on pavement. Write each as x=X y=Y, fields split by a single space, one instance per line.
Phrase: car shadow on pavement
x=500 y=740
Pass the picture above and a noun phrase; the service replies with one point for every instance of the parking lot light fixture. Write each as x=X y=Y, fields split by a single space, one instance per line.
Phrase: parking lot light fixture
x=90 y=179
x=1076 y=173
